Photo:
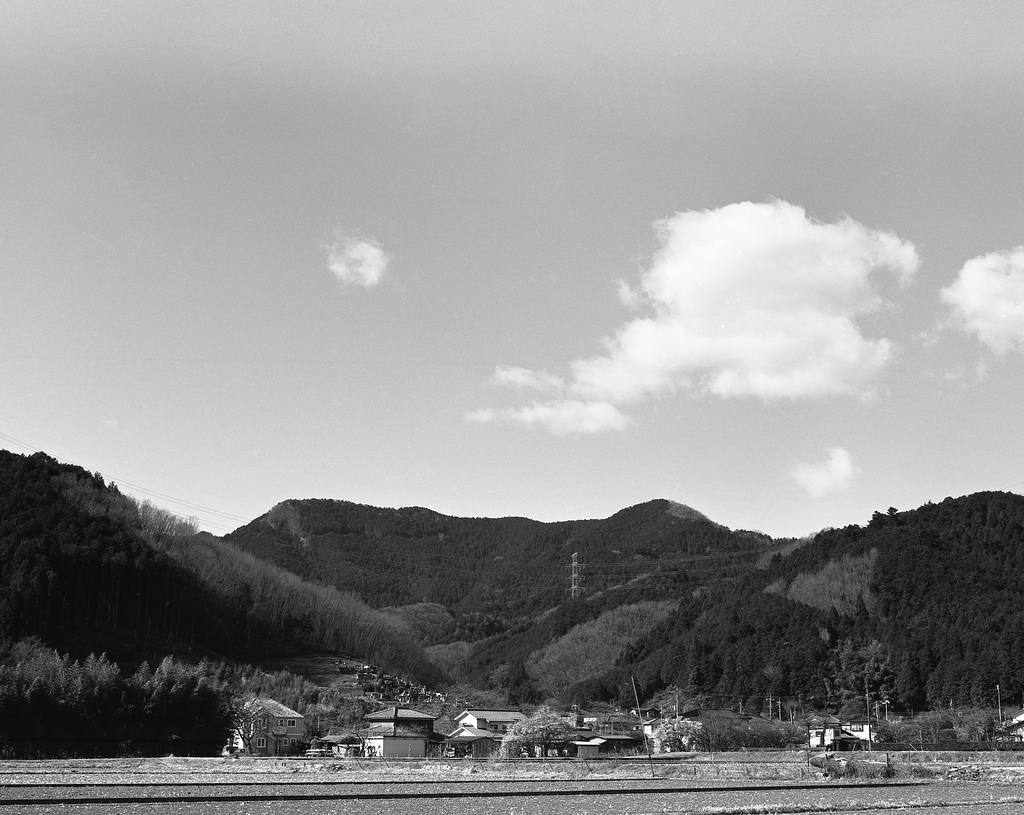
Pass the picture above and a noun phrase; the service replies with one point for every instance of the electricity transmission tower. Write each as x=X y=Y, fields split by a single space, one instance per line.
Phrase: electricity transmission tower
x=575 y=577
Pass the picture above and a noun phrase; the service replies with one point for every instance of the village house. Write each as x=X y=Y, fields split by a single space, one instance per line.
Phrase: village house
x=493 y=720
x=479 y=731
x=471 y=742
x=614 y=724
x=271 y=728
x=1013 y=726
x=398 y=732
x=829 y=733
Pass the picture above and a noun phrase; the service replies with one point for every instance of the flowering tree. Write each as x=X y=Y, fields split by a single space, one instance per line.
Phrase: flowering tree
x=678 y=736
x=537 y=733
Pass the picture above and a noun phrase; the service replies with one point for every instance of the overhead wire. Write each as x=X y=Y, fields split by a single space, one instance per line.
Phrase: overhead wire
x=133 y=487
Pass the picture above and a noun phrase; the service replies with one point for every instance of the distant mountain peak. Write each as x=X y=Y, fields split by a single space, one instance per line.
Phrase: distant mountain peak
x=685 y=512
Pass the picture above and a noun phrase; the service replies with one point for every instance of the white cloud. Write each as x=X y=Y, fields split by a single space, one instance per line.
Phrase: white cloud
x=560 y=417
x=834 y=475
x=752 y=300
x=987 y=299
x=357 y=262
x=748 y=300
x=523 y=378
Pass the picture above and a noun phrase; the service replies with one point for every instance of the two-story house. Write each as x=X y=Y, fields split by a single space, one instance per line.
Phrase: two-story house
x=478 y=732
x=829 y=733
x=266 y=727
x=398 y=732
x=493 y=720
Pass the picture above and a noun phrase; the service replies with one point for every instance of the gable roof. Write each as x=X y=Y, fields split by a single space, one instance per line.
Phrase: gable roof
x=466 y=733
x=275 y=708
x=494 y=713
x=389 y=730
x=397 y=714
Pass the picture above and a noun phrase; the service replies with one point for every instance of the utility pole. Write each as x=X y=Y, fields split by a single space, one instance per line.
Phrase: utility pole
x=867 y=706
x=640 y=716
x=575 y=578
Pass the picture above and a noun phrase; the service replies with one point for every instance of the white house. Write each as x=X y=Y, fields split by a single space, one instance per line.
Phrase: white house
x=493 y=720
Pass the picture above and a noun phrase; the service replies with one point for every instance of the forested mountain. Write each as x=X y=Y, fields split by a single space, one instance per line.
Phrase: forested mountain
x=87 y=569
x=397 y=557
x=492 y=595
x=920 y=608
x=917 y=608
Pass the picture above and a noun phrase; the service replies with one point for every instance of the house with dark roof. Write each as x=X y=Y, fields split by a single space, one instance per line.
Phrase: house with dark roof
x=398 y=732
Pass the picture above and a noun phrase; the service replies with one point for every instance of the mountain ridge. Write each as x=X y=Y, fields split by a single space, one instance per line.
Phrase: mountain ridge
x=921 y=607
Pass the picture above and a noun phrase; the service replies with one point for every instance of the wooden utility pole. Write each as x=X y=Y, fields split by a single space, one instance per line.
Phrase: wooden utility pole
x=867 y=706
x=640 y=716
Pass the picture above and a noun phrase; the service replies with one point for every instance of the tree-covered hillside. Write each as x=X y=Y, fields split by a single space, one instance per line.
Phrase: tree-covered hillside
x=920 y=608
x=86 y=569
x=492 y=595
x=400 y=557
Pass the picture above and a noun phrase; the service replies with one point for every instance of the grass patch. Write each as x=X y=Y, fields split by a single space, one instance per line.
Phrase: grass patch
x=849 y=806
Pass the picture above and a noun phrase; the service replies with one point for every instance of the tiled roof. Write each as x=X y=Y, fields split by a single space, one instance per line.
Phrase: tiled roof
x=466 y=733
x=386 y=729
x=500 y=714
x=275 y=708
x=392 y=714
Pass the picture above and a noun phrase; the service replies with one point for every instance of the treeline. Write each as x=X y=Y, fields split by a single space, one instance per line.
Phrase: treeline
x=258 y=602
x=86 y=568
x=52 y=706
x=77 y=568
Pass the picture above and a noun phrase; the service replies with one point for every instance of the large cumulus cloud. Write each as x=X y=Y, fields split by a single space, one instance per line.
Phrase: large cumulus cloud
x=749 y=300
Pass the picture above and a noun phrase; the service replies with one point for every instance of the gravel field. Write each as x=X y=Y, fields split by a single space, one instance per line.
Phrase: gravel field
x=982 y=799
x=164 y=786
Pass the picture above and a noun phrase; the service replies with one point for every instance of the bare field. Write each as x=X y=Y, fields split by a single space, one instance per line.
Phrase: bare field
x=311 y=787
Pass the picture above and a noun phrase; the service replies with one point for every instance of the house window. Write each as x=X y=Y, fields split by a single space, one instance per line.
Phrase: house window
x=856 y=727
x=261 y=742
x=291 y=722
x=280 y=722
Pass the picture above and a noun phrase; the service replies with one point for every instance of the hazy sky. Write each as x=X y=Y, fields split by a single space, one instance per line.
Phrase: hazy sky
x=547 y=259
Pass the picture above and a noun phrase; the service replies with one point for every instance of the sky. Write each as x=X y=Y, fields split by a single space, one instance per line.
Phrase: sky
x=543 y=259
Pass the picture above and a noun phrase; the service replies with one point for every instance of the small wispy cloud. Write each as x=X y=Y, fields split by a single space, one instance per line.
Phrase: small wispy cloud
x=834 y=475
x=357 y=262
x=559 y=418
x=524 y=378
x=987 y=299
x=748 y=300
